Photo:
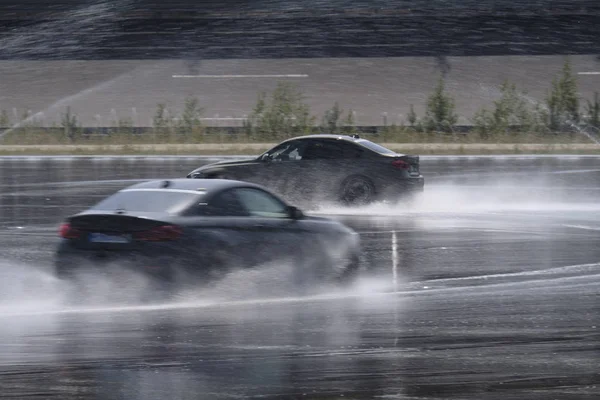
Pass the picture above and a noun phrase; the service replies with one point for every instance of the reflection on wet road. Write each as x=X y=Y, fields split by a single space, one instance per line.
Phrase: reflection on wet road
x=485 y=288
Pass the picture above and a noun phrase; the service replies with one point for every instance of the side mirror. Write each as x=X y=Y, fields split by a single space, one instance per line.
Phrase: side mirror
x=295 y=212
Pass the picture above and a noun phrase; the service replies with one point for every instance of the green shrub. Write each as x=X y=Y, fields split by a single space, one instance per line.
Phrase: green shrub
x=510 y=112
x=562 y=101
x=70 y=125
x=593 y=111
x=331 y=119
x=439 y=114
x=283 y=115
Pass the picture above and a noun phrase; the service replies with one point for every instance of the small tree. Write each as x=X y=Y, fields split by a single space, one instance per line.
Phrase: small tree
x=159 y=121
x=331 y=119
x=481 y=123
x=125 y=127
x=510 y=110
x=412 y=117
x=349 y=123
x=285 y=114
x=562 y=101
x=439 y=115
x=69 y=124
x=593 y=111
x=252 y=123
x=554 y=107
x=570 y=98
x=190 y=118
x=4 y=119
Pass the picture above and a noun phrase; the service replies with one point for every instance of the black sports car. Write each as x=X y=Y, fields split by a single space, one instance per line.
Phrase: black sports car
x=338 y=168
x=192 y=231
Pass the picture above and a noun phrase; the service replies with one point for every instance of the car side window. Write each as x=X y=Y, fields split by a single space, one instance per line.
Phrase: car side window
x=290 y=151
x=225 y=204
x=330 y=150
x=261 y=204
x=351 y=150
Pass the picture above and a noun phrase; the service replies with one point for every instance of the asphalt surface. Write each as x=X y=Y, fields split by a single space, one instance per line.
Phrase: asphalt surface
x=486 y=288
x=138 y=29
x=378 y=91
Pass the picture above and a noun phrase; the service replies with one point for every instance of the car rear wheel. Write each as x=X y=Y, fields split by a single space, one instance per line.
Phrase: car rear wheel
x=357 y=191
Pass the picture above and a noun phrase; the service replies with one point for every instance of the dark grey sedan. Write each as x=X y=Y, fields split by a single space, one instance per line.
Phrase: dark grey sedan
x=196 y=230
x=314 y=169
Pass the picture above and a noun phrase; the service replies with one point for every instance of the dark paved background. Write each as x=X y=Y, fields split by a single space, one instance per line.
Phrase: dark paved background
x=130 y=29
x=495 y=296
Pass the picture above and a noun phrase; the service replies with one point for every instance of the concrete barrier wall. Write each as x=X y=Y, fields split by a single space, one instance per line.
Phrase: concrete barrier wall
x=100 y=93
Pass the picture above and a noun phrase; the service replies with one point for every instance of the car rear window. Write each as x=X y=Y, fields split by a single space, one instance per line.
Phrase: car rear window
x=150 y=200
x=375 y=147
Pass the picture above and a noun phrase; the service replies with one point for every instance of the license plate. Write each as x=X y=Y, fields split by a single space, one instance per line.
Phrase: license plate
x=104 y=238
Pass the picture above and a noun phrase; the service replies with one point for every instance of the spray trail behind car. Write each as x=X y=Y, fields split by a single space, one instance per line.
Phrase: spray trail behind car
x=500 y=196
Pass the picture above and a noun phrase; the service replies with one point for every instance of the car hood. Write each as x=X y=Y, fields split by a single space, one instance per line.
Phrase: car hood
x=224 y=163
x=230 y=162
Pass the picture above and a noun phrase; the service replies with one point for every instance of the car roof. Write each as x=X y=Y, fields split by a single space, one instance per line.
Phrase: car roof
x=327 y=136
x=354 y=139
x=199 y=185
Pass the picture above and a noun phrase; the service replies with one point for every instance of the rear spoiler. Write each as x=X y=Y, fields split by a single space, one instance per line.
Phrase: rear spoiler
x=412 y=160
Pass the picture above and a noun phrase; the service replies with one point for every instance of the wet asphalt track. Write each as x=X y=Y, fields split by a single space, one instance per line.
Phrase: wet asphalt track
x=492 y=292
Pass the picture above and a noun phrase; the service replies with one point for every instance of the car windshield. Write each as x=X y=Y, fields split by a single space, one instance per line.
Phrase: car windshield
x=149 y=200
x=375 y=147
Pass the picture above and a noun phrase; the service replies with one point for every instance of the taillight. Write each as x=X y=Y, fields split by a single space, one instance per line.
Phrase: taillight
x=68 y=232
x=400 y=164
x=159 y=234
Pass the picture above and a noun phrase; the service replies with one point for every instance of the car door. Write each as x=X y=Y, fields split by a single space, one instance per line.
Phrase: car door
x=282 y=168
x=276 y=235
x=325 y=163
x=223 y=232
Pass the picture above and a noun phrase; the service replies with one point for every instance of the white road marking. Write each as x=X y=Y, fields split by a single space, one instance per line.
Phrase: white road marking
x=395 y=260
x=584 y=227
x=243 y=76
x=589 y=73
x=581 y=270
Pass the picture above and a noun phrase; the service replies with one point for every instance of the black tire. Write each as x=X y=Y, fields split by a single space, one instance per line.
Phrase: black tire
x=357 y=191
